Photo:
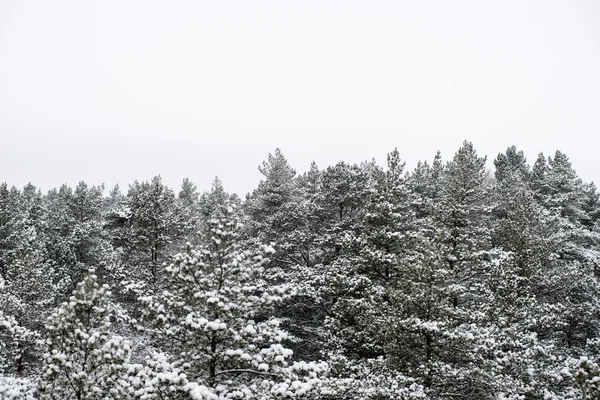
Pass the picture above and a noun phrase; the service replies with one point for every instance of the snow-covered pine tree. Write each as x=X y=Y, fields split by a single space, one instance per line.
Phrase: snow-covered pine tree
x=274 y=191
x=115 y=216
x=150 y=232
x=188 y=193
x=587 y=379
x=214 y=319
x=27 y=296
x=286 y=211
x=426 y=182
x=75 y=240
x=5 y=227
x=17 y=343
x=460 y=231
x=267 y=208
x=300 y=264
x=358 y=280
x=530 y=287
x=573 y=265
x=211 y=202
x=30 y=284
x=512 y=168
x=345 y=190
x=84 y=360
x=464 y=212
x=521 y=360
x=361 y=340
x=21 y=219
x=187 y=211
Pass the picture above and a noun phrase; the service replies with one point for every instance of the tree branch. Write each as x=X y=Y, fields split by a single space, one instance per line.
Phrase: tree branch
x=245 y=371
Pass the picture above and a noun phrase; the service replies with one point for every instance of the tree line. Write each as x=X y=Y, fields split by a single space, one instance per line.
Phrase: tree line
x=357 y=281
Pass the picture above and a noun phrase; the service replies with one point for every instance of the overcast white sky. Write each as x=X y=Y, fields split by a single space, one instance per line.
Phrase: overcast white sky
x=113 y=91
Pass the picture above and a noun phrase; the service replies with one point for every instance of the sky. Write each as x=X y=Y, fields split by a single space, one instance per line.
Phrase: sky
x=114 y=91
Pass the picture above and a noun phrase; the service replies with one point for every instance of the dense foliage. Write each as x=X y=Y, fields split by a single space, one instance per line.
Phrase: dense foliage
x=357 y=281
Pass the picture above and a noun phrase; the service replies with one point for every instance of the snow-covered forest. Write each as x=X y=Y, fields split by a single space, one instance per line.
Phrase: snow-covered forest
x=453 y=280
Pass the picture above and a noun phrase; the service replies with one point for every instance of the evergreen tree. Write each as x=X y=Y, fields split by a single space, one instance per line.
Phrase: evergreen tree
x=266 y=206
x=461 y=234
x=214 y=318
x=27 y=296
x=150 y=229
x=345 y=189
x=31 y=284
x=17 y=343
x=83 y=359
x=587 y=379
x=511 y=167
x=211 y=202
x=187 y=210
x=372 y=261
x=426 y=182
x=75 y=238
x=364 y=320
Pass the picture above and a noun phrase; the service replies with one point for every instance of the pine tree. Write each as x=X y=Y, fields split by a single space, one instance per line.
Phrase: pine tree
x=27 y=296
x=151 y=229
x=211 y=202
x=115 y=217
x=300 y=264
x=511 y=167
x=362 y=284
x=31 y=285
x=587 y=379
x=83 y=359
x=456 y=257
x=75 y=238
x=530 y=287
x=345 y=190
x=17 y=343
x=447 y=282
x=266 y=206
x=277 y=187
x=426 y=182
x=214 y=317
x=187 y=210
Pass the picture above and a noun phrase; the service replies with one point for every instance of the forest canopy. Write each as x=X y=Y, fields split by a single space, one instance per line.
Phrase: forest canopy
x=354 y=281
